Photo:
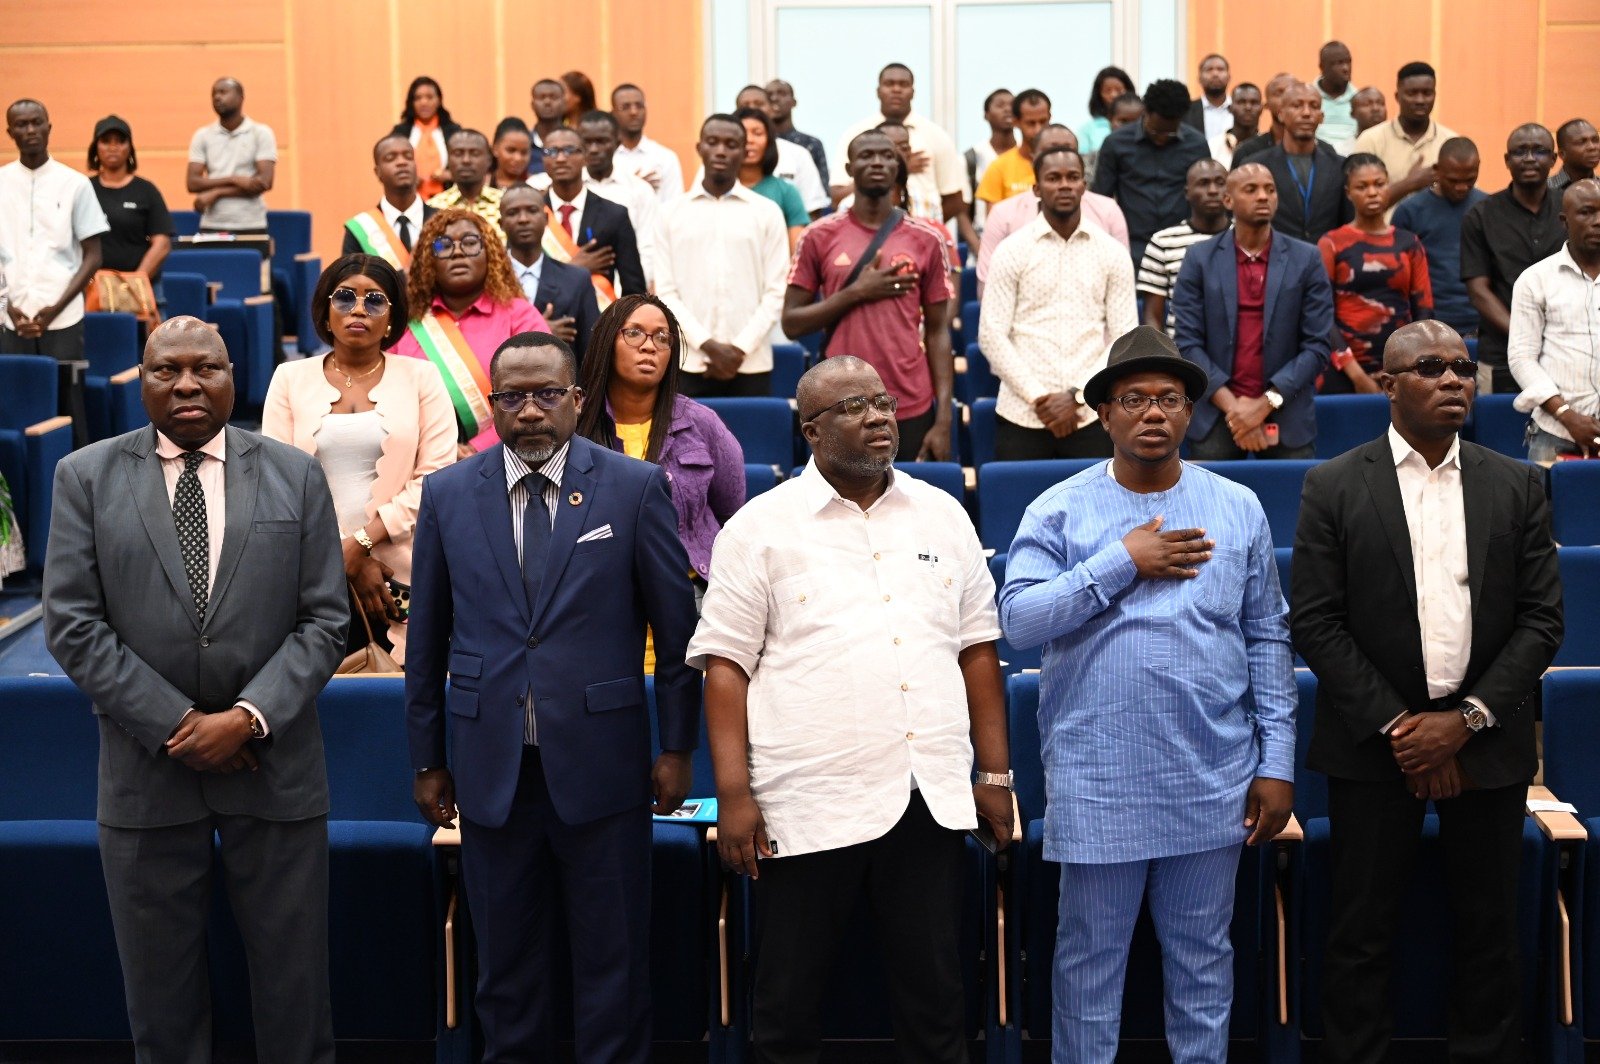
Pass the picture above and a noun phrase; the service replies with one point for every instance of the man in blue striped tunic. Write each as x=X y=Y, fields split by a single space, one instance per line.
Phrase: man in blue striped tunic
x=1166 y=708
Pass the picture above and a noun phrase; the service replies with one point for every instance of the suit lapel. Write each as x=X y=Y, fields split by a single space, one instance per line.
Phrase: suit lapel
x=1475 y=498
x=242 y=480
x=545 y=294
x=1228 y=271
x=494 y=514
x=1276 y=268
x=155 y=510
x=1384 y=485
x=577 y=482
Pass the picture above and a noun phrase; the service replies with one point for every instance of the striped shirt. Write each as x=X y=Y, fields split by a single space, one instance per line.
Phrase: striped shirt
x=1163 y=257
x=517 y=471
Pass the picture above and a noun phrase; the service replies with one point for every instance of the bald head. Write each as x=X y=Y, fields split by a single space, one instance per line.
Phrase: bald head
x=1245 y=174
x=185 y=381
x=818 y=386
x=187 y=332
x=1419 y=339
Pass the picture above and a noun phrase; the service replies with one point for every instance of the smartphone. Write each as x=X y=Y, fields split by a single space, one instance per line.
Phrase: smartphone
x=1271 y=429
x=985 y=836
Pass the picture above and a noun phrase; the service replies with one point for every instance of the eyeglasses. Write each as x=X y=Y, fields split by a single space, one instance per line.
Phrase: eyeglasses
x=1137 y=404
x=561 y=152
x=1530 y=153
x=1433 y=367
x=468 y=246
x=856 y=406
x=543 y=398
x=344 y=301
x=634 y=336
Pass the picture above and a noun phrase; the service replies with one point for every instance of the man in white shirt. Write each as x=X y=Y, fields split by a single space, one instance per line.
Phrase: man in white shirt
x=648 y=159
x=795 y=164
x=232 y=162
x=390 y=232
x=722 y=254
x=50 y=226
x=1058 y=291
x=848 y=638
x=1554 y=345
x=600 y=135
x=938 y=171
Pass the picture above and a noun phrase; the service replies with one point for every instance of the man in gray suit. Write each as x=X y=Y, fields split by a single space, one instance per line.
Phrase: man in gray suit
x=193 y=589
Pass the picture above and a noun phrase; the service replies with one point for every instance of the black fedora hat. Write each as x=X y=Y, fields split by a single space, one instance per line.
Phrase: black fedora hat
x=1145 y=349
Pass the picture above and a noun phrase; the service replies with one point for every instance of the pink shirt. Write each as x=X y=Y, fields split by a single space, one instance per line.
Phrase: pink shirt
x=1009 y=215
x=485 y=325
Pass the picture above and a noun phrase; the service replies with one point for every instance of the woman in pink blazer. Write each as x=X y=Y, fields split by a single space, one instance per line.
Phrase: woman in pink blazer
x=378 y=424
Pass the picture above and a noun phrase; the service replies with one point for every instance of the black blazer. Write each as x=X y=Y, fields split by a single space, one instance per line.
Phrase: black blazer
x=1354 y=610
x=1330 y=207
x=569 y=290
x=608 y=223
x=352 y=246
x=403 y=129
x=1196 y=116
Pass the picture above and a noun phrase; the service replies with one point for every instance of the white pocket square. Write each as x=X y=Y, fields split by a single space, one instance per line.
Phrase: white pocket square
x=603 y=532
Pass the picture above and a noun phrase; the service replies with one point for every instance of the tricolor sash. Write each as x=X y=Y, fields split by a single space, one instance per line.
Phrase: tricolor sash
x=559 y=245
x=464 y=378
x=378 y=238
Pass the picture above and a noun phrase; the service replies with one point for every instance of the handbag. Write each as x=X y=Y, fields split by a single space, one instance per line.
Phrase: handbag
x=370 y=660
x=890 y=224
x=117 y=292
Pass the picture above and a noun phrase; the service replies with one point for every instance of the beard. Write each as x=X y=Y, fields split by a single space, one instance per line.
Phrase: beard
x=535 y=451
x=857 y=463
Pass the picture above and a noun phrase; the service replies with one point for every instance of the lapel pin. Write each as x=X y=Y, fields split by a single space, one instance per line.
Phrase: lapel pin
x=576 y=498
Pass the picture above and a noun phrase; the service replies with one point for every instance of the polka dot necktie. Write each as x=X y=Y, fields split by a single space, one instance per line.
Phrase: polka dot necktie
x=189 y=515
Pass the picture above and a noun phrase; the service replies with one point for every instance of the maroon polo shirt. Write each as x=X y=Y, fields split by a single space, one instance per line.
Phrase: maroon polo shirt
x=1249 y=380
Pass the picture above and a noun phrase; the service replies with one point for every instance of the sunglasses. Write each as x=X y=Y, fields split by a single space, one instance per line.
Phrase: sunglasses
x=344 y=301
x=544 y=398
x=1433 y=367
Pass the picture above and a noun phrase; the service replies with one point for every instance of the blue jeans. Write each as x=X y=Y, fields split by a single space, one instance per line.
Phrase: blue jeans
x=1546 y=447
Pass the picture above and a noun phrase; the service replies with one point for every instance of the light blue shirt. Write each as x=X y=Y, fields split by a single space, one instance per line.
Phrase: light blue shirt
x=1338 y=124
x=528 y=278
x=1160 y=700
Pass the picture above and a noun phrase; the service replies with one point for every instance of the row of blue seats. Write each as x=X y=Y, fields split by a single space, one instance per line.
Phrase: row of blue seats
x=402 y=944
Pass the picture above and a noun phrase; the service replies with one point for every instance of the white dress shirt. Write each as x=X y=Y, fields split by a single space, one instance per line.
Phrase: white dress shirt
x=849 y=624
x=1218 y=117
x=412 y=215
x=528 y=278
x=1051 y=308
x=45 y=215
x=578 y=203
x=653 y=156
x=796 y=166
x=722 y=265
x=1554 y=345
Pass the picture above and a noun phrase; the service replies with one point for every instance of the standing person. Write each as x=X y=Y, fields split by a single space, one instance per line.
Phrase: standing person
x=1308 y=173
x=792 y=162
x=203 y=633
x=892 y=310
x=1368 y=108
x=723 y=259
x=544 y=715
x=1435 y=217
x=1144 y=166
x=391 y=231
x=1110 y=84
x=44 y=267
x=1409 y=146
x=1246 y=111
x=511 y=148
x=427 y=125
x=1578 y=144
x=1338 y=124
x=1379 y=274
x=232 y=163
x=856 y=599
x=1002 y=138
x=601 y=136
x=1209 y=115
x=579 y=95
x=560 y=291
x=1058 y=288
x=648 y=159
x=1552 y=350
x=376 y=423
x=756 y=172
x=1011 y=173
x=548 y=98
x=1163 y=256
x=140 y=234
x=1503 y=235
x=586 y=229
x=1273 y=135
x=1254 y=310
x=1168 y=693
x=464 y=302
x=1428 y=603
x=471 y=158
x=780 y=94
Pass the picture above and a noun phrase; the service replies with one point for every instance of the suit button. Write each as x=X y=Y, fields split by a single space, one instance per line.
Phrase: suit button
x=533 y=644
x=205 y=641
x=520 y=698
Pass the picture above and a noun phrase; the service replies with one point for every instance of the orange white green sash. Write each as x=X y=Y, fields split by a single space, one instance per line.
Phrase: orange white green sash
x=464 y=378
x=378 y=238
x=559 y=245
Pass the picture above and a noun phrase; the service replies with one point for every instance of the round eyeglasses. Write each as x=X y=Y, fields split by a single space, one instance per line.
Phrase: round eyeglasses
x=634 y=336
x=344 y=301
x=468 y=246
x=1137 y=404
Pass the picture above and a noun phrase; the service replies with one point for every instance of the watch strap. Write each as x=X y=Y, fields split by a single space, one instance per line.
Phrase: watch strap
x=995 y=779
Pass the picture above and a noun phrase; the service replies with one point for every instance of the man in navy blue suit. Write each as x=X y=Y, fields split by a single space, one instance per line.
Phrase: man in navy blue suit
x=560 y=291
x=1254 y=309
x=536 y=567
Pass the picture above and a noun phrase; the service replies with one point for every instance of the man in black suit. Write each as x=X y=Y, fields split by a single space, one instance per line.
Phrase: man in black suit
x=1209 y=113
x=1309 y=174
x=390 y=230
x=596 y=228
x=1426 y=599
x=561 y=292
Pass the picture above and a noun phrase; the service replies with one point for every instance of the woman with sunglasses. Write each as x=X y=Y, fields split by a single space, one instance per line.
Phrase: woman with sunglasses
x=1380 y=279
x=465 y=302
x=378 y=424
x=630 y=376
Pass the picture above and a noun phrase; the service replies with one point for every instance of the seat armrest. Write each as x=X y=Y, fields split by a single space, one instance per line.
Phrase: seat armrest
x=447 y=836
x=1557 y=825
x=307 y=256
x=49 y=425
x=127 y=376
x=1292 y=831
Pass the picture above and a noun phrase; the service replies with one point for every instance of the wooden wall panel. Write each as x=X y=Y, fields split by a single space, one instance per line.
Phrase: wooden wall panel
x=78 y=22
x=648 y=39
x=1490 y=57
x=1571 y=73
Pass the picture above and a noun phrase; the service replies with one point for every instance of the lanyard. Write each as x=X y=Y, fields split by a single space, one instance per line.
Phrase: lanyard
x=1305 y=189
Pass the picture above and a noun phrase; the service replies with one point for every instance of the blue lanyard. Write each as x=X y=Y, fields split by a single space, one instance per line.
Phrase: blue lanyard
x=1305 y=189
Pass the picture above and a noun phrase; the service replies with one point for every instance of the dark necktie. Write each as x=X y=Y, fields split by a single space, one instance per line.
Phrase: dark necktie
x=194 y=539
x=535 y=536
x=565 y=211
x=405 y=230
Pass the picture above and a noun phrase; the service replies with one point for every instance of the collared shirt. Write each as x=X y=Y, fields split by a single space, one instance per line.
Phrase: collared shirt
x=1011 y=174
x=1222 y=146
x=1160 y=700
x=721 y=265
x=946 y=172
x=1499 y=239
x=553 y=468
x=1218 y=117
x=1249 y=380
x=795 y=166
x=1015 y=213
x=528 y=277
x=1437 y=223
x=45 y=215
x=1400 y=154
x=1163 y=258
x=412 y=215
x=620 y=186
x=575 y=219
x=1051 y=308
x=485 y=206
x=653 y=156
x=1338 y=124
x=1147 y=180
x=1436 y=519
x=234 y=153
x=812 y=145
x=1555 y=339
x=849 y=623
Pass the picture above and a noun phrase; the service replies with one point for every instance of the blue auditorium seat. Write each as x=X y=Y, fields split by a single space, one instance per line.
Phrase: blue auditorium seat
x=763 y=426
x=185 y=294
x=1575 y=503
x=980 y=431
x=789 y=363
x=946 y=476
x=185 y=222
x=296 y=269
x=242 y=313
x=758 y=478
x=1497 y=426
x=32 y=440
x=969 y=284
x=1580 y=594
x=1007 y=489
x=1277 y=484
x=1571 y=706
x=979 y=381
x=1348 y=421
x=970 y=310
x=111 y=385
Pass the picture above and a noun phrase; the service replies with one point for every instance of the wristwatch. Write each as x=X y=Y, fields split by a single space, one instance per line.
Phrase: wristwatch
x=256 y=731
x=1077 y=395
x=1475 y=717
x=361 y=537
x=996 y=779
x=1274 y=398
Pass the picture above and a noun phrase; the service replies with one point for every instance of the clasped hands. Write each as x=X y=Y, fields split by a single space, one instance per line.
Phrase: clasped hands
x=1245 y=421
x=1425 y=747
x=214 y=742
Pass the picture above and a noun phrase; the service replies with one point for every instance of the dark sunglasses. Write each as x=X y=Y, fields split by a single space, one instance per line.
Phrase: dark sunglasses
x=344 y=301
x=1433 y=368
x=544 y=398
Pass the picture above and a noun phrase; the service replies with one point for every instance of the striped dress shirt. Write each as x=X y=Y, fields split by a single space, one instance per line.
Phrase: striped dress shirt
x=1554 y=347
x=1159 y=700
x=1163 y=258
x=517 y=492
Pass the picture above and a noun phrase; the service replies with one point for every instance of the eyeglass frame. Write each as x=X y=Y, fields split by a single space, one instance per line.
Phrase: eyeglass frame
x=524 y=398
x=870 y=401
x=655 y=337
x=365 y=299
x=1454 y=365
x=1533 y=152
x=453 y=247
x=1144 y=402
x=558 y=151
